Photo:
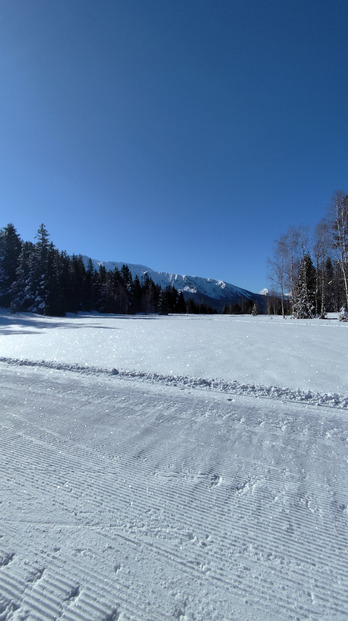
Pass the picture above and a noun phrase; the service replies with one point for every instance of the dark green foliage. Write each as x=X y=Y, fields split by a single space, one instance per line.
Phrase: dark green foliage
x=163 y=306
x=10 y=249
x=76 y=285
x=150 y=296
x=54 y=300
x=245 y=306
x=136 y=296
x=180 y=304
x=39 y=278
x=39 y=274
x=21 y=295
x=202 y=308
x=236 y=309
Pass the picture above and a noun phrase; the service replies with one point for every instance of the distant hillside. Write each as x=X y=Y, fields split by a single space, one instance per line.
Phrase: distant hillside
x=216 y=293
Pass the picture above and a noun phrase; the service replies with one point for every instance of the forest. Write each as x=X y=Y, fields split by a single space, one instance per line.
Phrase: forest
x=310 y=272
x=309 y=275
x=37 y=277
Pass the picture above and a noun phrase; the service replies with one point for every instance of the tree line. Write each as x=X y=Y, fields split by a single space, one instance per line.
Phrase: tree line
x=310 y=272
x=37 y=277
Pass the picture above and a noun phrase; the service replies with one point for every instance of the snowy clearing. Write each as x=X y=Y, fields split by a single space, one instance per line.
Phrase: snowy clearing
x=183 y=468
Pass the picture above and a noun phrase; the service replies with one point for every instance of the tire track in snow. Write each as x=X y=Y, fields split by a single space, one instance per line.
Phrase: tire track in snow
x=309 y=397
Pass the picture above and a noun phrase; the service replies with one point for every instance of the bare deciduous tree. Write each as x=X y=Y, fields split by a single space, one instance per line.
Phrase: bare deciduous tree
x=338 y=216
x=321 y=249
x=278 y=268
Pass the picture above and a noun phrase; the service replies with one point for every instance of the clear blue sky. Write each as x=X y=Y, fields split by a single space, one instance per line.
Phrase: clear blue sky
x=186 y=135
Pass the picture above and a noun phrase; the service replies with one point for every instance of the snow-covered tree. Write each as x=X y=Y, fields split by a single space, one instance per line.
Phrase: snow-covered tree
x=22 y=293
x=343 y=316
x=10 y=249
x=304 y=300
x=39 y=271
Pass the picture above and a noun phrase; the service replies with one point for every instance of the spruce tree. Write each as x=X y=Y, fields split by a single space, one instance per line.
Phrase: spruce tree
x=10 y=249
x=55 y=303
x=150 y=295
x=304 y=303
x=181 y=304
x=87 y=288
x=21 y=291
x=136 y=296
x=38 y=272
x=163 y=308
x=120 y=292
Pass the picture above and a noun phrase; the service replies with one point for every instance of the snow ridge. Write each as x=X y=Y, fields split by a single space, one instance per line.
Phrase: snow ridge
x=332 y=400
x=191 y=285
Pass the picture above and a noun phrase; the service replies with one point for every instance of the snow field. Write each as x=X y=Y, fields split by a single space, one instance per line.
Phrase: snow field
x=126 y=497
x=291 y=354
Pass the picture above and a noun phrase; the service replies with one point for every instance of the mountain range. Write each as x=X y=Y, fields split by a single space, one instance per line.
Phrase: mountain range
x=216 y=293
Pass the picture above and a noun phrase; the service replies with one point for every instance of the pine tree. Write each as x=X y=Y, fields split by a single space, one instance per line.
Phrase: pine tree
x=150 y=295
x=181 y=304
x=75 y=283
x=136 y=296
x=10 y=249
x=191 y=307
x=38 y=272
x=87 y=288
x=163 y=308
x=120 y=292
x=55 y=303
x=21 y=291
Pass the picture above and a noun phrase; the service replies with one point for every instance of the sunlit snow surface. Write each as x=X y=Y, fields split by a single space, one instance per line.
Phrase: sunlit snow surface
x=190 y=468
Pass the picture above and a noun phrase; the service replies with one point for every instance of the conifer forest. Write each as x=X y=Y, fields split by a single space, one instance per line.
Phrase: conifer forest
x=37 y=277
x=308 y=272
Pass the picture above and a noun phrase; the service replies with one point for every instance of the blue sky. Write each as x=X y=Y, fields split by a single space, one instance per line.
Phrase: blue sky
x=186 y=135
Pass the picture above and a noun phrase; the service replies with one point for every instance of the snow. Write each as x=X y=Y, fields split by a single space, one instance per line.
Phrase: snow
x=181 y=467
x=216 y=289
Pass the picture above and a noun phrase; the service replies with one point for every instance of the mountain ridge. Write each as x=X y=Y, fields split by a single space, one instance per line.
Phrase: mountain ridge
x=217 y=293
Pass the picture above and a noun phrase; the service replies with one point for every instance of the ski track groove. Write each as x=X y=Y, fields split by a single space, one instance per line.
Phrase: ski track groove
x=198 y=504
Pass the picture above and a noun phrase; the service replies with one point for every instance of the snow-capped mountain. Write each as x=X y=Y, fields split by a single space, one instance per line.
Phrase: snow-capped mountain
x=217 y=293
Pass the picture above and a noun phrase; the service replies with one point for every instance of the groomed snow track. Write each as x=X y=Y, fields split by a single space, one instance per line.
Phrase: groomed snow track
x=143 y=501
x=234 y=388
